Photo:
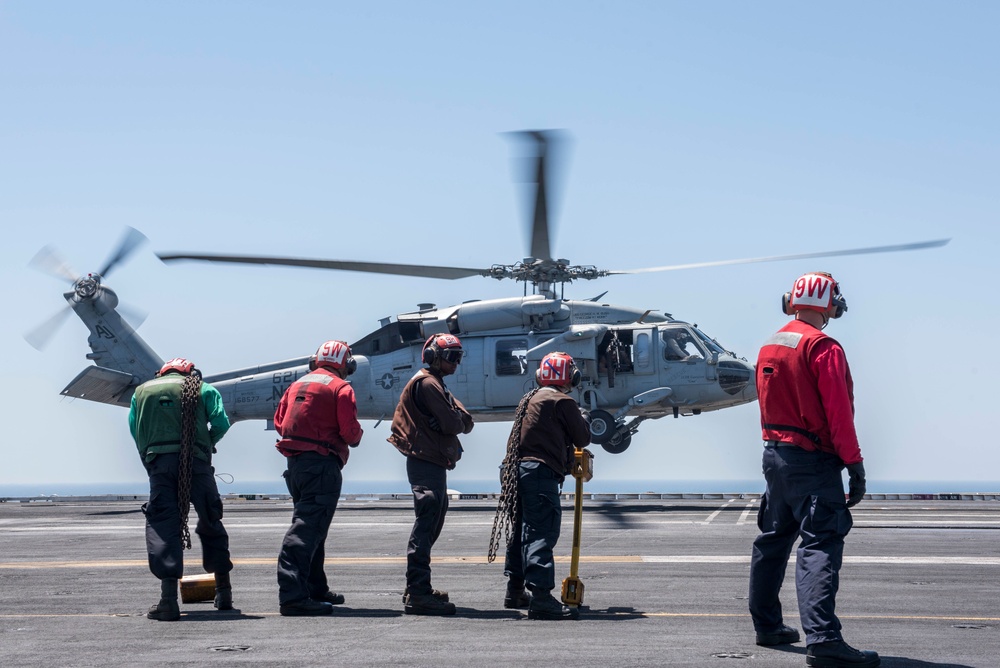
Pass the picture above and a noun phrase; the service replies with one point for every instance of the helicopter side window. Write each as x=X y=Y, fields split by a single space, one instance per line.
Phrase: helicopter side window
x=511 y=356
x=678 y=346
x=615 y=352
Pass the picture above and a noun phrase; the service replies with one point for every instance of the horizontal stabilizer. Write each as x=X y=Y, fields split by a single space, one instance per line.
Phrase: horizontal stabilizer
x=97 y=383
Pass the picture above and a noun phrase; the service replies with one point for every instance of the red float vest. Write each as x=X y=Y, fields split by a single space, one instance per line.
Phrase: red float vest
x=791 y=408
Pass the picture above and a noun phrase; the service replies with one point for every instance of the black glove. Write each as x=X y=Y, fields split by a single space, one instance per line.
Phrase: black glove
x=856 y=484
x=435 y=425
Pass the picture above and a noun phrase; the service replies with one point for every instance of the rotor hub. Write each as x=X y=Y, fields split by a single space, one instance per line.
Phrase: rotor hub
x=87 y=286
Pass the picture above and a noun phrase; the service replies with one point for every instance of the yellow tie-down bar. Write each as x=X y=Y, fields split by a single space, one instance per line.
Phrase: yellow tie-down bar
x=583 y=471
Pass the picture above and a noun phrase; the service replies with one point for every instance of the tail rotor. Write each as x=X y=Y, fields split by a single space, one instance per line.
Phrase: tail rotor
x=50 y=261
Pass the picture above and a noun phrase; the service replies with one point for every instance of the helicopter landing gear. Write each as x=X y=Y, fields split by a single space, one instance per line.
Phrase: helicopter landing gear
x=602 y=426
x=618 y=444
x=612 y=435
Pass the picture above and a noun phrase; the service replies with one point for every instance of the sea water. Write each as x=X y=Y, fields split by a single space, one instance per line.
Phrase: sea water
x=472 y=486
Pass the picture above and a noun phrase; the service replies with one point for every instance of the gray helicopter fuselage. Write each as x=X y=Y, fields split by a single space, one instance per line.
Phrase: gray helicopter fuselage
x=634 y=363
x=622 y=353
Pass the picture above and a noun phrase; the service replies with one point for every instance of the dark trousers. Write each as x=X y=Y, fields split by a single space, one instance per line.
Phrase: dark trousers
x=804 y=499
x=314 y=481
x=529 y=554
x=429 y=483
x=163 y=518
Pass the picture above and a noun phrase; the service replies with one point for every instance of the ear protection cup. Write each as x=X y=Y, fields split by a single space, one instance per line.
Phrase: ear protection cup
x=427 y=356
x=351 y=365
x=577 y=376
x=839 y=304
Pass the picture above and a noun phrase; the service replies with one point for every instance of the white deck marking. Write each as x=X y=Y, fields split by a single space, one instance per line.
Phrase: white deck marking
x=711 y=517
x=746 y=512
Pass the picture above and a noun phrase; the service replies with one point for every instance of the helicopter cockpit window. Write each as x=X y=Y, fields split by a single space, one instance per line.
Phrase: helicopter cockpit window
x=512 y=356
x=710 y=343
x=679 y=345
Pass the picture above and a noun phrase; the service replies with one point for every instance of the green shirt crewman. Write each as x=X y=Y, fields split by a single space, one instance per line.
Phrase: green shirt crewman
x=156 y=420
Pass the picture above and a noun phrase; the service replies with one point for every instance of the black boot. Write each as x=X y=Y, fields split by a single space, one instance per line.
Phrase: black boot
x=839 y=654
x=439 y=595
x=223 y=591
x=333 y=598
x=306 y=608
x=427 y=604
x=516 y=596
x=167 y=609
x=783 y=635
x=544 y=606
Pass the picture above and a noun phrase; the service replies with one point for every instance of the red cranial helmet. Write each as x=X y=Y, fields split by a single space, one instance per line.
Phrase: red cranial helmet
x=558 y=369
x=334 y=355
x=815 y=291
x=177 y=365
x=445 y=347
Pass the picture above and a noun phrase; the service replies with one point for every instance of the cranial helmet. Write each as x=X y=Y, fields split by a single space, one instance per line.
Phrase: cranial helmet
x=445 y=347
x=334 y=355
x=815 y=291
x=558 y=369
x=177 y=365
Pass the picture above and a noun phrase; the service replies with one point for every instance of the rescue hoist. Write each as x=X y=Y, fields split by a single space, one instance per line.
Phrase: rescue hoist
x=583 y=471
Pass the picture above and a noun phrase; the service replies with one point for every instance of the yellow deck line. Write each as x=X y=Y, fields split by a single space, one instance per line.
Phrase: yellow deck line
x=333 y=561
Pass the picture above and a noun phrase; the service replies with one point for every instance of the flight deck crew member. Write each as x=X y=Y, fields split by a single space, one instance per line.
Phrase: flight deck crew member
x=806 y=398
x=317 y=419
x=425 y=428
x=551 y=429
x=176 y=415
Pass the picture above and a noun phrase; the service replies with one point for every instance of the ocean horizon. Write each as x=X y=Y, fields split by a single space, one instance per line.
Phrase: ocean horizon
x=472 y=486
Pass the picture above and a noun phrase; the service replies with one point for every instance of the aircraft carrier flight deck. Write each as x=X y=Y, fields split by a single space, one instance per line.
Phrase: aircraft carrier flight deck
x=665 y=585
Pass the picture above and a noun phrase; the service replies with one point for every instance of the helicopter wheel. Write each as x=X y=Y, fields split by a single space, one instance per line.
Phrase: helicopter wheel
x=618 y=444
x=602 y=427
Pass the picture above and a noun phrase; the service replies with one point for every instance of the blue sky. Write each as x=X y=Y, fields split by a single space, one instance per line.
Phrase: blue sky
x=698 y=132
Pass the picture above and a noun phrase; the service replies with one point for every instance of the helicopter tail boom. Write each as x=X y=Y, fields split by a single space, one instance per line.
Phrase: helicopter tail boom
x=123 y=359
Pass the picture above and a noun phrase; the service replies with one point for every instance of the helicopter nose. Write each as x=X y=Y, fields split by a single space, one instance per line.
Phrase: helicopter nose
x=734 y=378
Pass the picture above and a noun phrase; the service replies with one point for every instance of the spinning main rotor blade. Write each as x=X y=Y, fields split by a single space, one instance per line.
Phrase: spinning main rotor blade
x=423 y=271
x=540 y=215
x=800 y=256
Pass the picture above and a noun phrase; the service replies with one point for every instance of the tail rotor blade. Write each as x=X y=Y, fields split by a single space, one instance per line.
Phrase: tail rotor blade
x=133 y=239
x=39 y=337
x=49 y=261
x=134 y=316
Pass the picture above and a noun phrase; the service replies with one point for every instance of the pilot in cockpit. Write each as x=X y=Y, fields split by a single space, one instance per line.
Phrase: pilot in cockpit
x=675 y=342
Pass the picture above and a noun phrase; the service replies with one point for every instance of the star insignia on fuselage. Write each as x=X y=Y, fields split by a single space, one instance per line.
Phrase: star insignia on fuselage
x=387 y=381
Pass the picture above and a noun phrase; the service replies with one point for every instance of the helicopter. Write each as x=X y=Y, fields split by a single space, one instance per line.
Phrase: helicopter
x=636 y=364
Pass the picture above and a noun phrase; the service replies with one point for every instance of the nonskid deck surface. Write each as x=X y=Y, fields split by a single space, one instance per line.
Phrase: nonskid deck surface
x=665 y=585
